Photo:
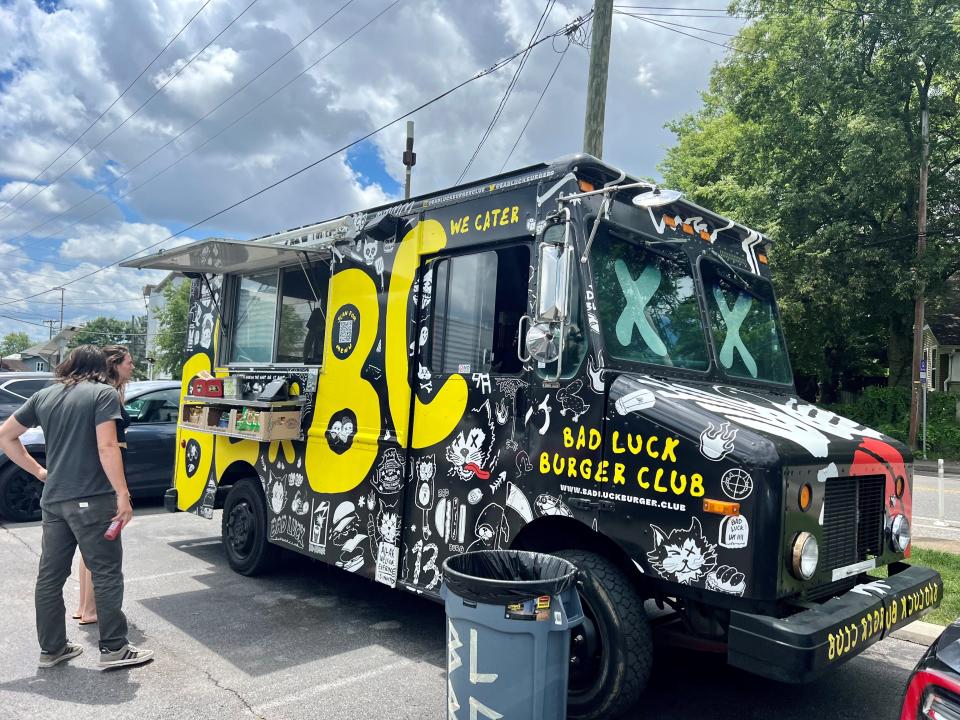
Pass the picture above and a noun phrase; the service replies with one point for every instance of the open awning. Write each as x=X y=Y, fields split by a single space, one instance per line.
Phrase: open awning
x=223 y=256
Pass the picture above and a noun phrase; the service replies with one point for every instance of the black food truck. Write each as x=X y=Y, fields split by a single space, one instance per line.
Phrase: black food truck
x=561 y=359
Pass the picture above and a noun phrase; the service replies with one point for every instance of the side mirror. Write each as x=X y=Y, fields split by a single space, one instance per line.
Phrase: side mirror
x=553 y=279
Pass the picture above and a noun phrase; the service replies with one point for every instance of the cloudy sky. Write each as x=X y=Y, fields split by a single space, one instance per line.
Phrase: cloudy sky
x=219 y=104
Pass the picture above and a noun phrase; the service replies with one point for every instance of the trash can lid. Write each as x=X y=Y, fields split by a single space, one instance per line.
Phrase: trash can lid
x=506 y=576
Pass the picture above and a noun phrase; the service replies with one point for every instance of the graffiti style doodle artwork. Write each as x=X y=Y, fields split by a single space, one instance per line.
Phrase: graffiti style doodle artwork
x=545 y=408
x=475 y=496
x=345 y=523
x=351 y=555
x=502 y=412
x=737 y=484
x=278 y=495
x=510 y=386
x=298 y=504
x=571 y=401
x=492 y=529
x=682 y=555
x=795 y=421
x=734 y=532
x=517 y=501
x=389 y=474
x=635 y=402
x=320 y=514
x=716 y=444
x=191 y=457
x=450 y=519
x=481 y=381
x=548 y=504
x=595 y=373
x=425 y=565
x=523 y=462
x=426 y=471
x=467 y=454
x=727 y=579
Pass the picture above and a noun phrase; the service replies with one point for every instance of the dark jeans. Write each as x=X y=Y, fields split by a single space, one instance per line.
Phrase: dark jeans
x=65 y=525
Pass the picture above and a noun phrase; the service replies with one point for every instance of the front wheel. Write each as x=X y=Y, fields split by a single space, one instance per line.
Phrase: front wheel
x=244 y=530
x=611 y=653
x=19 y=494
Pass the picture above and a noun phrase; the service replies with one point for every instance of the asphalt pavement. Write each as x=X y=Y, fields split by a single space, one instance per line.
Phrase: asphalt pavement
x=927 y=520
x=310 y=641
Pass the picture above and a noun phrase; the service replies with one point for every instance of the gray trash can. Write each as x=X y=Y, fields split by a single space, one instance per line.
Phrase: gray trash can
x=509 y=615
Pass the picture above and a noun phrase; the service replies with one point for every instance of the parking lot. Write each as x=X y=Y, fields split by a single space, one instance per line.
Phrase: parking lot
x=310 y=641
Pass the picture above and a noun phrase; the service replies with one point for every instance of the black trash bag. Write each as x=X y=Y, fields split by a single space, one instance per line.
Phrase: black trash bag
x=501 y=577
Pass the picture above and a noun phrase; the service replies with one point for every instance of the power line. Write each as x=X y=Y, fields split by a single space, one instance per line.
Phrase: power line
x=142 y=105
x=483 y=73
x=506 y=94
x=115 y=101
x=217 y=134
x=183 y=132
x=533 y=112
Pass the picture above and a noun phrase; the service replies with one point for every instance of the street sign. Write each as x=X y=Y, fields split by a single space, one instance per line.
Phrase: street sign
x=923 y=369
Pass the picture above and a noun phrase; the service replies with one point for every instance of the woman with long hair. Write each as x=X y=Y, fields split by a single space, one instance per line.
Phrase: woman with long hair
x=119 y=372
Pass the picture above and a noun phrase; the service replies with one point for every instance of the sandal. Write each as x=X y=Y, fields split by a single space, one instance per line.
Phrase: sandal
x=87 y=622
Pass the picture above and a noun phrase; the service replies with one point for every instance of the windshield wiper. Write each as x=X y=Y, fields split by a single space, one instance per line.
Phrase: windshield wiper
x=744 y=284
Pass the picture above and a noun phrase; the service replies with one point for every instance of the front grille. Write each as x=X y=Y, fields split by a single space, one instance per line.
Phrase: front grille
x=852 y=521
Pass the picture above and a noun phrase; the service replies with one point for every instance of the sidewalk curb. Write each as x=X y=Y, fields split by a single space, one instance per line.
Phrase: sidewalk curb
x=926 y=467
x=920 y=633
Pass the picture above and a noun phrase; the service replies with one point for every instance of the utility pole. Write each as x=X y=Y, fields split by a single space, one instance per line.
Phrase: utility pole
x=61 y=307
x=597 y=80
x=921 y=249
x=409 y=159
x=50 y=324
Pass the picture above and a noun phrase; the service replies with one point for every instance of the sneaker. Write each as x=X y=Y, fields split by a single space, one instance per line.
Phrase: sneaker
x=70 y=650
x=127 y=655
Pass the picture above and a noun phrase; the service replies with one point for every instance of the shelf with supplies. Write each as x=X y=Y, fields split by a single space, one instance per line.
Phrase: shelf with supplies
x=263 y=422
x=295 y=401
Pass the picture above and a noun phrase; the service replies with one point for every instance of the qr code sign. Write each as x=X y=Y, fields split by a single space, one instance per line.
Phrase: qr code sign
x=346 y=331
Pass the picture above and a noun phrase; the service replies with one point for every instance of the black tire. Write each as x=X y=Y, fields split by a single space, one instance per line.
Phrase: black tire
x=244 y=530
x=19 y=494
x=612 y=651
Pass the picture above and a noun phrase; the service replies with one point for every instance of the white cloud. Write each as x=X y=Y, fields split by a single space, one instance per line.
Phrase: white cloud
x=60 y=70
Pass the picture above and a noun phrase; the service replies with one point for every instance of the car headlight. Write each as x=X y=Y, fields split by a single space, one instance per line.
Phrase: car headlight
x=805 y=556
x=900 y=533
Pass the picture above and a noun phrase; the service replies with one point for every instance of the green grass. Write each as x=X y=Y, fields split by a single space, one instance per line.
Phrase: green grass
x=948 y=565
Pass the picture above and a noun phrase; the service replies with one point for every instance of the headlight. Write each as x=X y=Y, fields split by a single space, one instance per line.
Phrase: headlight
x=900 y=533
x=805 y=556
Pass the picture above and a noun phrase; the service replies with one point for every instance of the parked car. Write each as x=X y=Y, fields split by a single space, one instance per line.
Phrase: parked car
x=934 y=688
x=151 y=448
x=15 y=387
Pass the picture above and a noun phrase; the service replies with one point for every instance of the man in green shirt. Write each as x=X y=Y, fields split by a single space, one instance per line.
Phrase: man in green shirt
x=85 y=490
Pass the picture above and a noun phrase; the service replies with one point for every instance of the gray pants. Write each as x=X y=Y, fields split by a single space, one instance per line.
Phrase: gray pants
x=65 y=525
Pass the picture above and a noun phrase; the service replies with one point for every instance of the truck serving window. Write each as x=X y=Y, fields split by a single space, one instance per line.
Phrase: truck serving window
x=647 y=303
x=280 y=316
x=255 y=321
x=745 y=325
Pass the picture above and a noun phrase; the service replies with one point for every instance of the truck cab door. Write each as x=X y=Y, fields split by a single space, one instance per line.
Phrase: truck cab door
x=464 y=352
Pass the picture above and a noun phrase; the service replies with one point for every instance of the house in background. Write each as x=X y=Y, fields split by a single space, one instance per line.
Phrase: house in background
x=153 y=294
x=941 y=350
x=42 y=357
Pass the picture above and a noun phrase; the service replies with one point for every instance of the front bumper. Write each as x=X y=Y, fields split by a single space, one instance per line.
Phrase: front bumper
x=796 y=649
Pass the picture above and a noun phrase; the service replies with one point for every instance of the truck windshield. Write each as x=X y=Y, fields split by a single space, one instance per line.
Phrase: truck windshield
x=647 y=303
x=745 y=326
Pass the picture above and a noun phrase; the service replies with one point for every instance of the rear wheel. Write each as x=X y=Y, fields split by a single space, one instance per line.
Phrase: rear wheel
x=244 y=530
x=611 y=653
x=19 y=494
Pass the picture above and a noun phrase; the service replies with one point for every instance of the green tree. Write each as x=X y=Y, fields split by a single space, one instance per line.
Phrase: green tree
x=810 y=131
x=172 y=318
x=13 y=343
x=113 y=331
